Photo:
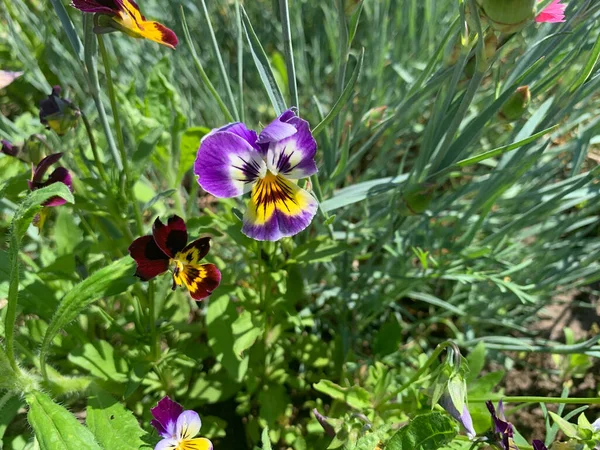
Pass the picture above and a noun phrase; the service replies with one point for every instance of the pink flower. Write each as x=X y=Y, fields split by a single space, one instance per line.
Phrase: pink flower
x=553 y=13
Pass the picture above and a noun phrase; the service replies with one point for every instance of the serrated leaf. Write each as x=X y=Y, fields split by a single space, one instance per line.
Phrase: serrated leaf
x=354 y=396
x=56 y=428
x=425 y=432
x=111 y=280
x=114 y=426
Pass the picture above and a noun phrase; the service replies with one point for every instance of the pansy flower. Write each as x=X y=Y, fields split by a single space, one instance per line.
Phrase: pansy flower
x=58 y=113
x=233 y=160
x=168 y=247
x=553 y=13
x=177 y=427
x=463 y=417
x=59 y=175
x=502 y=428
x=539 y=445
x=125 y=16
x=7 y=77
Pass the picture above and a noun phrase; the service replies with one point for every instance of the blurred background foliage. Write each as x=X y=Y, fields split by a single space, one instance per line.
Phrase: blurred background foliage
x=410 y=248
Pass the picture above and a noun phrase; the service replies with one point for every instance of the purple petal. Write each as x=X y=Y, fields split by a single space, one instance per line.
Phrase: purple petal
x=227 y=165
x=188 y=425
x=279 y=129
x=239 y=129
x=165 y=414
x=539 y=445
x=167 y=444
x=278 y=208
x=43 y=167
x=109 y=7
x=596 y=425
x=294 y=156
x=464 y=419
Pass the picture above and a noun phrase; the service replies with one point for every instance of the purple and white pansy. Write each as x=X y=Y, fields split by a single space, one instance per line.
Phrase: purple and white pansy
x=233 y=160
x=177 y=427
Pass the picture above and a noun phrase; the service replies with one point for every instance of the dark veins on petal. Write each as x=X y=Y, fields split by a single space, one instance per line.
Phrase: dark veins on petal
x=270 y=191
x=250 y=169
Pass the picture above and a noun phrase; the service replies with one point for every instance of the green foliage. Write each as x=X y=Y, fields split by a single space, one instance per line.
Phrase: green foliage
x=427 y=432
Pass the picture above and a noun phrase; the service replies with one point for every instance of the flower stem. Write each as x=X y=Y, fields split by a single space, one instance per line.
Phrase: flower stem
x=534 y=399
x=289 y=51
x=99 y=165
x=152 y=320
x=115 y=110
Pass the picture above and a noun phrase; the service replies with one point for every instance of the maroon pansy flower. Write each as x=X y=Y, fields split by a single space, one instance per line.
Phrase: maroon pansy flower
x=59 y=175
x=168 y=247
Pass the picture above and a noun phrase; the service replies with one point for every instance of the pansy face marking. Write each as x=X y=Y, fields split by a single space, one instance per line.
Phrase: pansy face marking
x=177 y=427
x=167 y=248
x=125 y=16
x=234 y=160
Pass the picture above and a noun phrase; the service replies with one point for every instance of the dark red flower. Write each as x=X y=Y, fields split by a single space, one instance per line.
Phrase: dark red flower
x=167 y=246
x=60 y=175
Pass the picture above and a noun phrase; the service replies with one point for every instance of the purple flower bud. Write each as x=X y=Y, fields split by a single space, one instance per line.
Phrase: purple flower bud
x=8 y=148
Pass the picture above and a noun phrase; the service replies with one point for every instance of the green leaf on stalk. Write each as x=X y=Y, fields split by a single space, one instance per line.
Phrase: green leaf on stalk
x=425 y=432
x=111 y=280
x=113 y=426
x=569 y=429
x=56 y=428
x=188 y=148
x=354 y=396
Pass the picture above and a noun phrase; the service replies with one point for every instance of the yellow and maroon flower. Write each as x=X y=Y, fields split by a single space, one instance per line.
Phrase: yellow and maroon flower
x=59 y=175
x=57 y=113
x=168 y=247
x=125 y=16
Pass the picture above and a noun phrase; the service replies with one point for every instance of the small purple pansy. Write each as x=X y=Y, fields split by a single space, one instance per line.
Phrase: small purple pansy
x=59 y=175
x=177 y=427
x=233 y=160
x=503 y=429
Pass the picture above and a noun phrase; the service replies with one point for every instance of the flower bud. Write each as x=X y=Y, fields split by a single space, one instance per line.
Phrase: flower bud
x=57 y=113
x=490 y=44
x=417 y=198
x=517 y=104
x=507 y=16
x=8 y=148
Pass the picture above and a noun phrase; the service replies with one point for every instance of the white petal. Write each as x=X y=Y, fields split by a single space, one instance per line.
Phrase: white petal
x=188 y=425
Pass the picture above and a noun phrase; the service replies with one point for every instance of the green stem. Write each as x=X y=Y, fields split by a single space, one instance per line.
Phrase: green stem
x=94 y=83
x=13 y=291
x=240 y=59
x=115 y=110
x=434 y=356
x=289 y=51
x=534 y=399
x=99 y=165
x=203 y=75
x=155 y=347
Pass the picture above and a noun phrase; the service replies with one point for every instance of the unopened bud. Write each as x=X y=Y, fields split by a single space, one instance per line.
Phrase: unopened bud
x=417 y=198
x=517 y=104
x=8 y=148
x=507 y=16
x=58 y=113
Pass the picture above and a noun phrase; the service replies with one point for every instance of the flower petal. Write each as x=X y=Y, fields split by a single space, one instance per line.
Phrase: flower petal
x=196 y=444
x=150 y=259
x=227 y=165
x=194 y=252
x=172 y=237
x=188 y=425
x=199 y=279
x=278 y=208
x=110 y=7
x=239 y=129
x=7 y=77
x=464 y=418
x=60 y=175
x=539 y=445
x=278 y=129
x=553 y=13
x=136 y=25
x=167 y=444
x=43 y=166
x=166 y=413
x=294 y=156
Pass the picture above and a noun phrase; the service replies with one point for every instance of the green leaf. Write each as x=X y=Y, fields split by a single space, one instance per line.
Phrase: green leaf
x=114 y=426
x=569 y=429
x=188 y=148
x=10 y=403
x=425 y=432
x=476 y=361
x=344 y=97
x=263 y=66
x=67 y=234
x=266 y=440
x=111 y=280
x=98 y=358
x=354 y=396
x=317 y=250
x=246 y=331
x=56 y=428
